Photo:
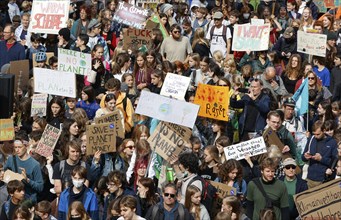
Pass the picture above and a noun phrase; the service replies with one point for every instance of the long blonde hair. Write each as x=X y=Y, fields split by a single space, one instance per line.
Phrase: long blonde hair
x=199 y=37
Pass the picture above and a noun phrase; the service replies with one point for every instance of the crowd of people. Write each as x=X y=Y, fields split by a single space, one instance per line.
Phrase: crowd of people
x=193 y=39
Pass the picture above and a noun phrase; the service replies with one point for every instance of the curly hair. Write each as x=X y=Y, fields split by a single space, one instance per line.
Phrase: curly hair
x=189 y=161
x=227 y=167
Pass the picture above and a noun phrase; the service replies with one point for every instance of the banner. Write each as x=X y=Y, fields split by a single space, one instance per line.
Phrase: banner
x=100 y=137
x=136 y=38
x=74 y=62
x=116 y=118
x=169 y=139
x=175 y=86
x=48 y=141
x=6 y=130
x=312 y=44
x=48 y=17
x=213 y=100
x=130 y=15
x=54 y=82
x=167 y=109
x=253 y=37
x=223 y=190
x=251 y=148
x=21 y=70
x=320 y=202
x=39 y=104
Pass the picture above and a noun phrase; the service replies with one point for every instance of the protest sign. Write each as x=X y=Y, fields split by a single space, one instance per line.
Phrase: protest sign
x=251 y=148
x=167 y=109
x=21 y=70
x=213 y=100
x=136 y=38
x=169 y=139
x=54 y=82
x=257 y=21
x=39 y=103
x=49 y=17
x=223 y=190
x=130 y=15
x=321 y=5
x=74 y=62
x=320 y=202
x=116 y=118
x=9 y=175
x=6 y=130
x=48 y=141
x=175 y=86
x=312 y=44
x=100 y=137
x=48 y=56
x=253 y=37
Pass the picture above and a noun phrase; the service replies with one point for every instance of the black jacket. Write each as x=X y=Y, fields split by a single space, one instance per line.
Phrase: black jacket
x=160 y=212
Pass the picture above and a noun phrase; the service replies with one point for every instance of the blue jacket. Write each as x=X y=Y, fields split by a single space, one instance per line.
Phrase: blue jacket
x=16 y=52
x=262 y=103
x=317 y=169
x=89 y=201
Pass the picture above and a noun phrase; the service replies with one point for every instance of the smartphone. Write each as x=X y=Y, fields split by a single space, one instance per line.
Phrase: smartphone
x=243 y=90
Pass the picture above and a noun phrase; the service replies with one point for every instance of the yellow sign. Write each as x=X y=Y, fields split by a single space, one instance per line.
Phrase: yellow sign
x=6 y=130
x=214 y=101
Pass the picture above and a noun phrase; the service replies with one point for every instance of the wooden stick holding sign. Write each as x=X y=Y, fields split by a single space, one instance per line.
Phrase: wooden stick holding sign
x=116 y=118
x=48 y=141
x=223 y=190
x=100 y=137
x=169 y=139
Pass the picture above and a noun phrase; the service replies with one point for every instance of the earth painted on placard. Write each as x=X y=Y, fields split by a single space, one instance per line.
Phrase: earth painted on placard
x=165 y=108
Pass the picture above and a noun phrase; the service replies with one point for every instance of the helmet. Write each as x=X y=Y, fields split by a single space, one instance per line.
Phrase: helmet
x=41 y=56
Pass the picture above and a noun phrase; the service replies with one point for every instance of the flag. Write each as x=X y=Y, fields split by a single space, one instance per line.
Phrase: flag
x=301 y=98
x=156 y=19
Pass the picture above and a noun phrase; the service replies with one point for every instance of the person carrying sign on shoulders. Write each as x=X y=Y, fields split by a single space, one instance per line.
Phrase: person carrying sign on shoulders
x=219 y=35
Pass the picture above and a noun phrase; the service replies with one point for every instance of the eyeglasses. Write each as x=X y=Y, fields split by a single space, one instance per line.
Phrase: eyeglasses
x=290 y=166
x=169 y=195
x=130 y=147
x=311 y=78
x=176 y=32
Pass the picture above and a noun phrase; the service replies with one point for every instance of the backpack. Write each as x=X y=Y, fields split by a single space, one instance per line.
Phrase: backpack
x=223 y=34
x=269 y=202
x=62 y=167
x=181 y=211
x=208 y=193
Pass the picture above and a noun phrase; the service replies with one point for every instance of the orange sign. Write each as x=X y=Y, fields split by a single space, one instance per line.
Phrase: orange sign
x=6 y=130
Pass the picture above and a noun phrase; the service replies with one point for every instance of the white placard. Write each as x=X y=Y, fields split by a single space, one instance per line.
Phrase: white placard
x=54 y=82
x=49 y=17
x=257 y=21
x=175 y=86
x=39 y=103
x=250 y=37
x=74 y=62
x=167 y=109
x=252 y=147
x=311 y=43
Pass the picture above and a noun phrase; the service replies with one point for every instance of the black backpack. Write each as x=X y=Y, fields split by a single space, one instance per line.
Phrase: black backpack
x=208 y=193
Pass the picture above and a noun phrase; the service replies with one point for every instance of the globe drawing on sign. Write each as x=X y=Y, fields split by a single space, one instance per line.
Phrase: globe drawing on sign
x=82 y=62
x=165 y=108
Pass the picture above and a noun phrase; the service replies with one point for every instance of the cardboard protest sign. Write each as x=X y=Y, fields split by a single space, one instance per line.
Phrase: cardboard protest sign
x=39 y=104
x=100 y=137
x=136 y=38
x=175 y=86
x=213 y=100
x=223 y=190
x=130 y=15
x=253 y=37
x=167 y=109
x=169 y=139
x=6 y=130
x=251 y=148
x=21 y=70
x=48 y=56
x=116 y=118
x=74 y=62
x=10 y=175
x=312 y=44
x=49 y=17
x=48 y=141
x=321 y=202
x=54 y=82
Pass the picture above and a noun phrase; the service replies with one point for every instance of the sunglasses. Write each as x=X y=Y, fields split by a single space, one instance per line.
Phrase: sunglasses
x=290 y=166
x=311 y=78
x=130 y=147
x=169 y=194
x=176 y=32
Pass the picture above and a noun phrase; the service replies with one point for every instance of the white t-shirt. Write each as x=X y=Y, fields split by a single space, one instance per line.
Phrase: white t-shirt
x=217 y=42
